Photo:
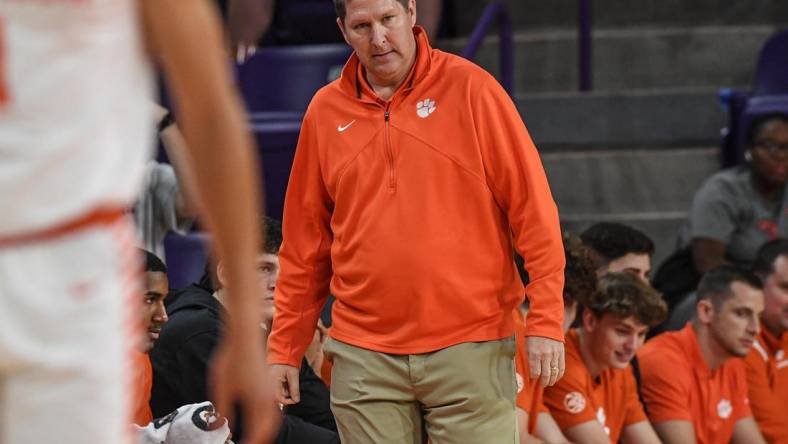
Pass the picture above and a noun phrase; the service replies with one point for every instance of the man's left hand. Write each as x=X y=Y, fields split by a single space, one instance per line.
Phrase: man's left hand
x=546 y=359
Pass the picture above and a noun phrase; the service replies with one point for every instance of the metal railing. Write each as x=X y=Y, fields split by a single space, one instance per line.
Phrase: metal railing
x=495 y=11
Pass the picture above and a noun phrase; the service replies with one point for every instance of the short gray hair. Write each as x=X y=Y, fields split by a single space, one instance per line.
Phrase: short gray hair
x=341 y=10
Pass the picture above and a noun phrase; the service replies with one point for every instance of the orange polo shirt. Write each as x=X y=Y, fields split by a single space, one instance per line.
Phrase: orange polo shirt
x=143 y=382
x=611 y=398
x=767 y=379
x=677 y=384
x=530 y=392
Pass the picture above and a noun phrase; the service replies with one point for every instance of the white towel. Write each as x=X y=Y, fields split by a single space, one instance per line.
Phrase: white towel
x=189 y=424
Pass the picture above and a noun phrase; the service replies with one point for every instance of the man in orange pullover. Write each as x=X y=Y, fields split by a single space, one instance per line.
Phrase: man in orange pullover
x=414 y=181
x=767 y=362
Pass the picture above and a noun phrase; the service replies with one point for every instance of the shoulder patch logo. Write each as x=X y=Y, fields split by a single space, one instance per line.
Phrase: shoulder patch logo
x=425 y=107
x=574 y=402
x=724 y=408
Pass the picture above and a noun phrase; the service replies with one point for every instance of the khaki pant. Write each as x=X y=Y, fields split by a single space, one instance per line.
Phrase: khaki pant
x=464 y=394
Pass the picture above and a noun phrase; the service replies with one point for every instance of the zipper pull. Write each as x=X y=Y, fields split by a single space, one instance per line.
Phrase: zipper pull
x=386 y=115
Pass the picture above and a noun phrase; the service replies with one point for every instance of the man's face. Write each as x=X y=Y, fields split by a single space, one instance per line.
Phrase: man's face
x=153 y=313
x=638 y=264
x=267 y=274
x=734 y=325
x=613 y=340
x=775 y=297
x=381 y=33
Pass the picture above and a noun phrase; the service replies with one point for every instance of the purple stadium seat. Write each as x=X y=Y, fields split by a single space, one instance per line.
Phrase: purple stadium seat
x=276 y=142
x=769 y=95
x=186 y=257
x=771 y=76
x=285 y=78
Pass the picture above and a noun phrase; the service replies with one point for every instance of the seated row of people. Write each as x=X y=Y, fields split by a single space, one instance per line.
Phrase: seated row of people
x=694 y=385
x=182 y=339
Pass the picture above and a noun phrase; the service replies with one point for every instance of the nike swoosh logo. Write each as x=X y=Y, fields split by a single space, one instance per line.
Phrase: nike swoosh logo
x=341 y=128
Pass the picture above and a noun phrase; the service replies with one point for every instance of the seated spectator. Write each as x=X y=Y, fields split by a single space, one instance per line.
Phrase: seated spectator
x=694 y=388
x=153 y=316
x=619 y=247
x=182 y=355
x=739 y=209
x=767 y=362
x=533 y=418
x=597 y=399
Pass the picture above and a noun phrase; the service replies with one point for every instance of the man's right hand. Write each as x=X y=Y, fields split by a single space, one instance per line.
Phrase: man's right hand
x=285 y=383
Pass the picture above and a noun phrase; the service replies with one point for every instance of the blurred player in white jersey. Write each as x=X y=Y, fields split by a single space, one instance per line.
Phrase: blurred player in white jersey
x=75 y=131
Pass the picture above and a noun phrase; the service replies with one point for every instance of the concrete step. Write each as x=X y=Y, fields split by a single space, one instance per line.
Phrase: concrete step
x=595 y=183
x=631 y=58
x=650 y=189
x=648 y=119
x=534 y=14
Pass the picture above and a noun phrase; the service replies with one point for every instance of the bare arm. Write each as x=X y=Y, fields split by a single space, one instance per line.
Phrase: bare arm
x=548 y=430
x=589 y=432
x=675 y=432
x=247 y=22
x=707 y=254
x=187 y=203
x=185 y=37
x=639 y=433
x=746 y=432
x=522 y=426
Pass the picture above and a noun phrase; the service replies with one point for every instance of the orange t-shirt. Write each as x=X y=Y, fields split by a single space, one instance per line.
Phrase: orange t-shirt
x=143 y=382
x=611 y=398
x=676 y=384
x=529 y=391
x=767 y=379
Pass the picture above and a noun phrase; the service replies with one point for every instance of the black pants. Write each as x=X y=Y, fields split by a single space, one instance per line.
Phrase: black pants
x=295 y=430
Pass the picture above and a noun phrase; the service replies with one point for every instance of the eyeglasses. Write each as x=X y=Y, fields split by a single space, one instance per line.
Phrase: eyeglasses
x=772 y=147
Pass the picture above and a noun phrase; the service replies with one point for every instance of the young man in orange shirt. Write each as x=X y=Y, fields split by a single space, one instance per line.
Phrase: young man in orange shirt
x=597 y=400
x=413 y=183
x=692 y=381
x=153 y=316
x=767 y=362
x=619 y=247
x=533 y=418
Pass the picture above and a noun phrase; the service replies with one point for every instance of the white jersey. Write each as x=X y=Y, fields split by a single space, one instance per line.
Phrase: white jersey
x=76 y=122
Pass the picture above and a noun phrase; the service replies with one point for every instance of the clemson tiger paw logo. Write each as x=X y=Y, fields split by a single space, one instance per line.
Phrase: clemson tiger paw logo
x=574 y=402
x=425 y=108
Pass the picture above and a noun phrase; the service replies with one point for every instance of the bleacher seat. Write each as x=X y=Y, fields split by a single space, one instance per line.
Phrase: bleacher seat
x=186 y=257
x=771 y=76
x=769 y=94
x=276 y=142
x=285 y=78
